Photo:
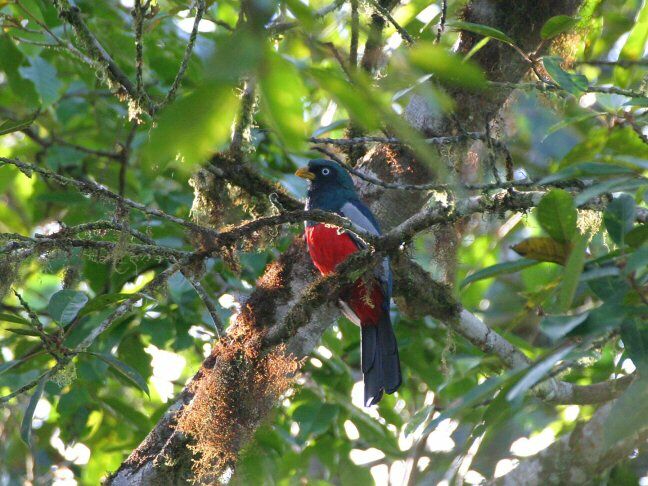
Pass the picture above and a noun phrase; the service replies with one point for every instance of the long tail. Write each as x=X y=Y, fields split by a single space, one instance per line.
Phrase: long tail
x=380 y=363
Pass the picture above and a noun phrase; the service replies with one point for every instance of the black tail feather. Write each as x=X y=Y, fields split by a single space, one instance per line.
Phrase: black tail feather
x=380 y=362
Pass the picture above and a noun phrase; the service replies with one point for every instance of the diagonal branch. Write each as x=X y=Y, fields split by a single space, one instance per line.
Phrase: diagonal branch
x=101 y=60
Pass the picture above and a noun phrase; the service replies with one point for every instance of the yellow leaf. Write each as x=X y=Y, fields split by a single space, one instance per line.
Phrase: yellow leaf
x=543 y=249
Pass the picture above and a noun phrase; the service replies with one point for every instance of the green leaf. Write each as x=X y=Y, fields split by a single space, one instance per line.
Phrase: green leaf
x=45 y=79
x=635 y=43
x=22 y=332
x=314 y=418
x=446 y=66
x=14 y=318
x=65 y=304
x=124 y=370
x=103 y=301
x=474 y=396
x=484 y=30
x=619 y=218
x=556 y=327
x=4 y=367
x=637 y=236
x=586 y=169
x=347 y=95
x=635 y=342
x=557 y=215
x=499 y=269
x=636 y=261
x=33 y=8
x=640 y=102
x=628 y=413
x=26 y=425
x=281 y=105
x=572 y=272
x=601 y=320
x=557 y=25
x=612 y=185
x=573 y=83
x=10 y=126
x=570 y=121
x=537 y=372
x=191 y=128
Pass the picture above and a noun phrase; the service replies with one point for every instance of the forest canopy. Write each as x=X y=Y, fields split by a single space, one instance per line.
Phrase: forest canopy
x=161 y=321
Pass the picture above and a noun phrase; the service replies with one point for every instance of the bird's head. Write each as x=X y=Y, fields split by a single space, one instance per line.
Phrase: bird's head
x=330 y=184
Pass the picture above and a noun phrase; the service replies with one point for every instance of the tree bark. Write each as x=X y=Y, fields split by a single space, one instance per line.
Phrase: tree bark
x=576 y=458
x=164 y=457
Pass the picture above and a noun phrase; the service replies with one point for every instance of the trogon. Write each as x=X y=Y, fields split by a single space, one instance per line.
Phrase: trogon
x=365 y=302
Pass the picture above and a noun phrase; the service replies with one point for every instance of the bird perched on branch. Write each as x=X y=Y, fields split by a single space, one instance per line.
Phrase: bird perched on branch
x=366 y=301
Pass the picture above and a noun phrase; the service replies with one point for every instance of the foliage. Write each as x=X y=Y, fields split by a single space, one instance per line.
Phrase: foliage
x=575 y=304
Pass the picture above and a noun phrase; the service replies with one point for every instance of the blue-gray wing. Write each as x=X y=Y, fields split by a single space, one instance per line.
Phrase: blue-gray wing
x=362 y=218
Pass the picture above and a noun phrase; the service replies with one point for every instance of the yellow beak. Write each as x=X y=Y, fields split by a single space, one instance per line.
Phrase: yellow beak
x=304 y=173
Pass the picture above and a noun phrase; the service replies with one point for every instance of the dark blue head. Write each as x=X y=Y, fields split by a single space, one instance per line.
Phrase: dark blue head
x=330 y=185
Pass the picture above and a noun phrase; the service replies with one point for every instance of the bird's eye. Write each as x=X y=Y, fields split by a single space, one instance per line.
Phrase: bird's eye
x=325 y=171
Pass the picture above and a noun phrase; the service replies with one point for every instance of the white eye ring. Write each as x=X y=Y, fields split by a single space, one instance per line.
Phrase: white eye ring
x=325 y=171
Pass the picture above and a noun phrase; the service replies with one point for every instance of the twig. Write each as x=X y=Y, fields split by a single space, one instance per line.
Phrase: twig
x=200 y=10
x=446 y=140
x=385 y=13
x=355 y=27
x=242 y=130
x=629 y=119
x=540 y=86
x=491 y=155
x=282 y=26
x=30 y=385
x=620 y=62
x=125 y=306
x=100 y=59
x=138 y=15
x=442 y=21
x=209 y=303
x=45 y=244
x=96 y=190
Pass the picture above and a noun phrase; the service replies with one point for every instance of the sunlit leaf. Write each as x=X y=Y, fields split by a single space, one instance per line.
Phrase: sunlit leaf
x=283 y=107
x=192 y=128
x=447 y=67
x=22 y=331
x=6 y=317
x=634 y=45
